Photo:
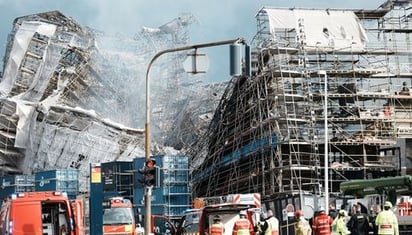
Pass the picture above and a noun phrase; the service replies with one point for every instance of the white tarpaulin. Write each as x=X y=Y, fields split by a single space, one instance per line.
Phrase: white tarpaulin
x=339 y=30
x=21 y=42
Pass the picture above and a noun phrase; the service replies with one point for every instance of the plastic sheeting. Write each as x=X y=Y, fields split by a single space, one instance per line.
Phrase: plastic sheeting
x=54 y=145
x=21 y=42
x=337 y=30
x=24 y=111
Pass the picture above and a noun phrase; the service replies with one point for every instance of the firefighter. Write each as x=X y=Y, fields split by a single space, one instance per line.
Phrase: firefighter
x=217 y=227
x=302 y=226
x=271 y=225
x=386 y=221
x=242 y=226
x=322 y=223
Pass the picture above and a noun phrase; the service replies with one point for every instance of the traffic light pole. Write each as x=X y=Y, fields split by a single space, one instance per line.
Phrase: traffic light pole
x=148 y=208
x=148 y=189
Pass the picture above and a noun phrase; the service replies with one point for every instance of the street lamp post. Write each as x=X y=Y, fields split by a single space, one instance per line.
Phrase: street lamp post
x=326 y=153
x=148 y=189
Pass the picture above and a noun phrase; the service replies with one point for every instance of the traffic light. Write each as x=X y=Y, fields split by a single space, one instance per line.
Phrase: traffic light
x=149 y=173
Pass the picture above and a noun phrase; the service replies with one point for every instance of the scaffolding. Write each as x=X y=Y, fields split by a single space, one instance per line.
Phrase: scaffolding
x=69 y=92
x=268 y=132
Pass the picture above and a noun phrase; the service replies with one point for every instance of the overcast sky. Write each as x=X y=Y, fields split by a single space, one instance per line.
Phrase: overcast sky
x=217 y=19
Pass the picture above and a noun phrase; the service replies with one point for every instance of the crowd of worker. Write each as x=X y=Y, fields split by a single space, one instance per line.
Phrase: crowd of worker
x=334 y=223
x=357 y=222
x=268 y=225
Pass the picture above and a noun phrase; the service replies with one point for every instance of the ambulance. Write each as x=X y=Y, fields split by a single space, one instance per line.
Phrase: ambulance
x=118 y=217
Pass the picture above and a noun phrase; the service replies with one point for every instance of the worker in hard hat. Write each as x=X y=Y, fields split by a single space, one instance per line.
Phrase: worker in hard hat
x=322 y=223
x=242 y=226
x=302 y=226
x=340 y=223
x=386 y=221
x=217 y=227
x=271 y=225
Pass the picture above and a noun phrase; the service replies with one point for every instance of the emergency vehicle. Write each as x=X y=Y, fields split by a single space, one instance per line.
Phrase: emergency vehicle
x=118 y=217
x=197 y=220
x=41 y=213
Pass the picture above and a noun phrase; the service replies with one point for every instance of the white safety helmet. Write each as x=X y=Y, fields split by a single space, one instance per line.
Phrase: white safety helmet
x=387 y=204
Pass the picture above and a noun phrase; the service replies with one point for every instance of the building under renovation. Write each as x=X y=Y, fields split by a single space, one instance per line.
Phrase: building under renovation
x=329 y=94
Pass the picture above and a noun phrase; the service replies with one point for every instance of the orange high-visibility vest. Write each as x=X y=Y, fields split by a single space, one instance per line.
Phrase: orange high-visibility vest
x=242 y=227
x=216 y=229
x=322 y=224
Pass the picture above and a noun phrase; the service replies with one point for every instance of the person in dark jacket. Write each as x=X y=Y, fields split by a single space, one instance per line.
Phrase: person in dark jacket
x=359 y=222
x=332 y=210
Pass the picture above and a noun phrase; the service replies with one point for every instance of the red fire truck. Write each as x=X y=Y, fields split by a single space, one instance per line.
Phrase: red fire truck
x=41 y=213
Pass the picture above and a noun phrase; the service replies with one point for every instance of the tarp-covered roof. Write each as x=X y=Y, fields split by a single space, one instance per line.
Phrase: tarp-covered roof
x=320 y=28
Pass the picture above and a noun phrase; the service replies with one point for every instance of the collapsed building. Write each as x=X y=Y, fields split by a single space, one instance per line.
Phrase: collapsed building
x=72 y=95
x=329 y=90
